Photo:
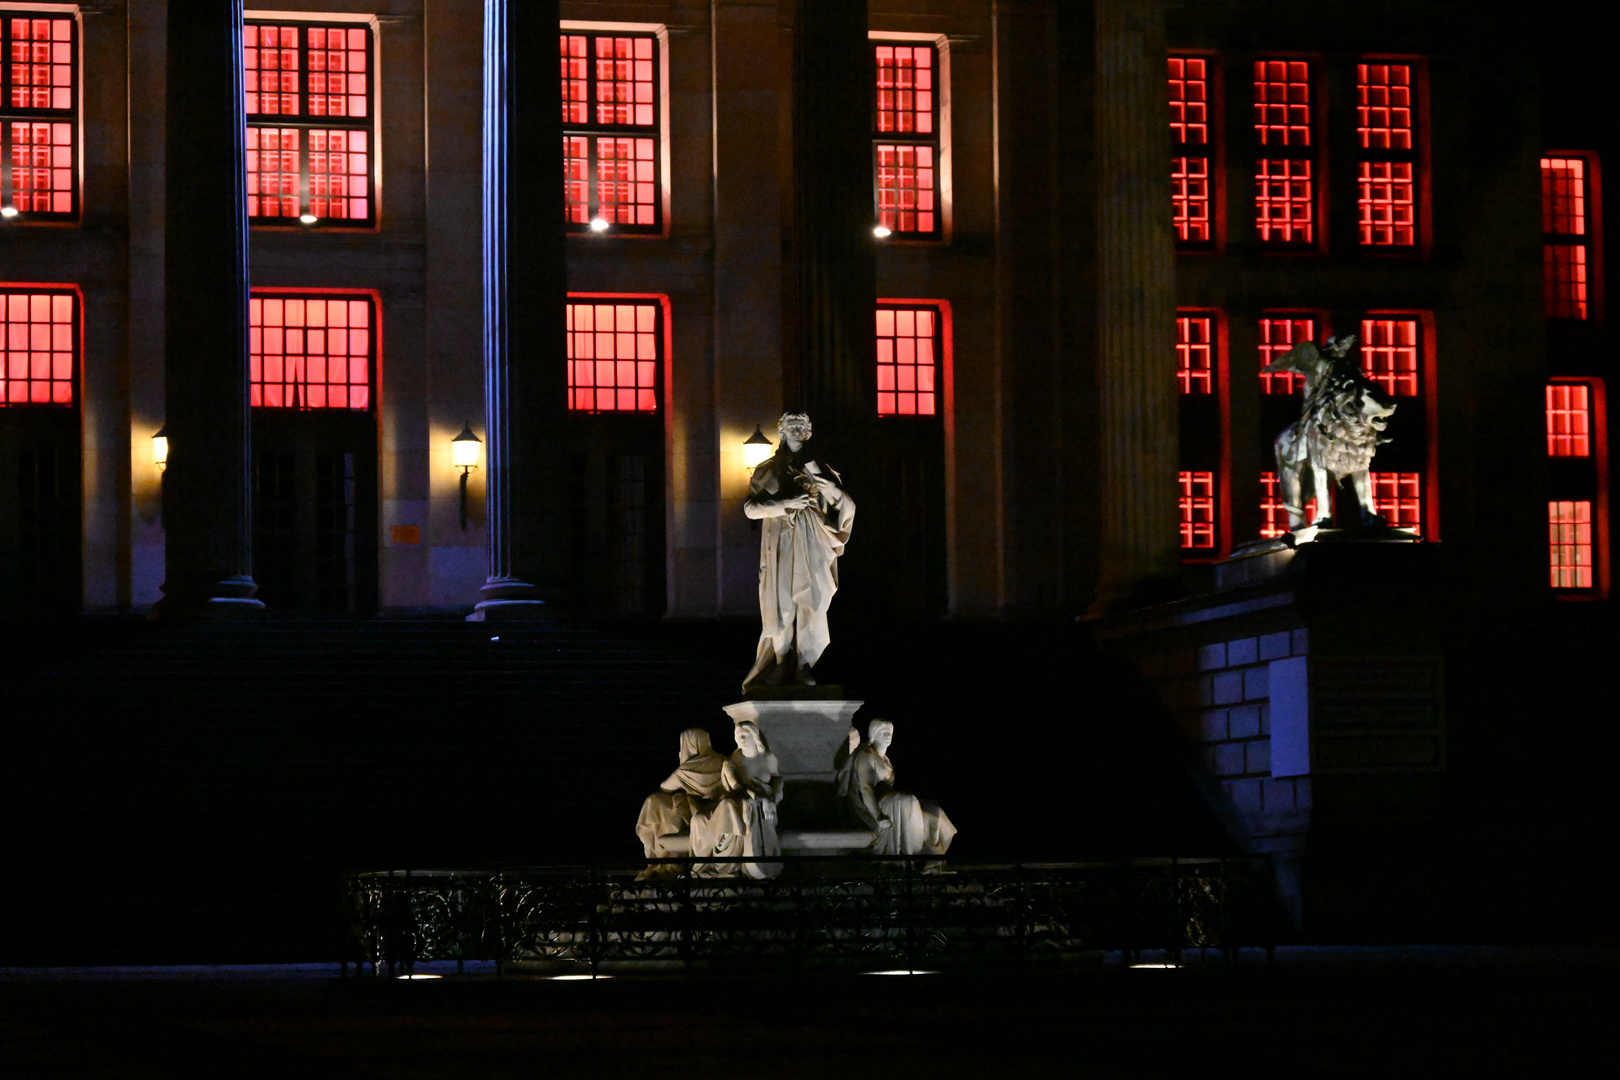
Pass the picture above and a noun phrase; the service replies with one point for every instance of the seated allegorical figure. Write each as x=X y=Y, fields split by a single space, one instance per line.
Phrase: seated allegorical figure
x=901 y=824
x=743 y=823
x=691 y=789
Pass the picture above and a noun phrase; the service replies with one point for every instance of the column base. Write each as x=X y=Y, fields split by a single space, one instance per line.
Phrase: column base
x=232 y=598
x=508 y=599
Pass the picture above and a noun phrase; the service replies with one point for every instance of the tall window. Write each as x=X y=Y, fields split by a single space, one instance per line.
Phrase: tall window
x=610 y=114
x=1279 y=406
x=1392 y=357
x=1387 y=172
x=1191 y=139
x=906 y=139
x=39 y=344
x=311 y=146
x=908 y=358
x=1568 y=213
x=1285 y=192
x=38 y=145
x=311 y=350
x=1576 y=507
x=1278 y=334
x=1202 y=432
x=615 y=354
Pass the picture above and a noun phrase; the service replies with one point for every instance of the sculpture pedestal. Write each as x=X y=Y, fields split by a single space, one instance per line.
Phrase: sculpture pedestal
x=807 y=728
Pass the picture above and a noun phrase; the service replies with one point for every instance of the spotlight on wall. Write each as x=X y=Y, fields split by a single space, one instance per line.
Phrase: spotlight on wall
x=599 y=224
x=307 y=219
x=464 y=451
x=756 y=448
x=881 y=231
x=160 y=448
x=8 y=211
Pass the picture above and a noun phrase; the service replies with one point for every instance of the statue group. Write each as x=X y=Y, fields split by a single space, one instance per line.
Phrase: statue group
x=725 y=807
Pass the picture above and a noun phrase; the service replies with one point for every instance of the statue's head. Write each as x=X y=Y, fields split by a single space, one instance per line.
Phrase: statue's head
x=748 y=738
x=794 y=427
x=695 y=743
x=880 y=733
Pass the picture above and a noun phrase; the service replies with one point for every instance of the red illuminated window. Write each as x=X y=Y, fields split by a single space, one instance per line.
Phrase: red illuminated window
x=1387 y=185
x=1285 y=197
x=1190 y=78
x=1569 y=544
x=39 y=344
x=311 y=149
x=1568 y=200
x=615 y=349
x=1277 y=335
x=38 y=149
x=1569 y=420
x=311 y=350
x=1397 y=496
x=1273 y=511
x=905 y=139
x=1197 y=507
x=1194 y=354
x=908 y=349
x=1389 y=354
x=610 y=114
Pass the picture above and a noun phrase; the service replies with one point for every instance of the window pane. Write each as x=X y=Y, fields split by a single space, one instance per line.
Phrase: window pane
x=39 y=352
x=907 y=351
x=613 y=355
x=310 y=351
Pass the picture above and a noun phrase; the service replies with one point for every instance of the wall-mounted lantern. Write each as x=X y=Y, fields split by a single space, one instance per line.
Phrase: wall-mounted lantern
x=464 y=452
x=160 y=448
x=756 y=449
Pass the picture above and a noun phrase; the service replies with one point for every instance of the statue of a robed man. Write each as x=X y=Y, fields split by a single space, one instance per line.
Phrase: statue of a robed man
x=805 y=517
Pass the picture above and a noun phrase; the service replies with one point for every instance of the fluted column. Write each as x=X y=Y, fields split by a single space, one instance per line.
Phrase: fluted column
x=1139 y=551
x=525 y=290
x=835 y=355
x=207 y=492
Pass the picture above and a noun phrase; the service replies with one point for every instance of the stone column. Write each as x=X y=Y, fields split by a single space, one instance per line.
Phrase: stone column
x=207 y=486
x=1139 y=547
x=834 y=356
x=525 y=290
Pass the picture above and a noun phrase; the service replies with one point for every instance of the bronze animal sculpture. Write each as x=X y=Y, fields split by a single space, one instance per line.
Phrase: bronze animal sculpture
x=1339 y=430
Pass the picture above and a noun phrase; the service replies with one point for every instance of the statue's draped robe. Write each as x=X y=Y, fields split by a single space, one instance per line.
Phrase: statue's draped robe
x=690 y=789
x=915 y=827
x=741 y=825
x=798 y=562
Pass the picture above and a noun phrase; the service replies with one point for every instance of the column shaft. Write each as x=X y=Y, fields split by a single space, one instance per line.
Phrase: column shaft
x=525 y=291
x=207 y=486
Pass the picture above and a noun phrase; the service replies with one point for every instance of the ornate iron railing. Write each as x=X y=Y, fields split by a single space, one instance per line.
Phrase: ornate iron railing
x=898 y=912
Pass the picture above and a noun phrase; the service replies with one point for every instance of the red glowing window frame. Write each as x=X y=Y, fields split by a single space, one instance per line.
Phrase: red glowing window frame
x=1398 y=496
x=1388 y=174
x=1195 y=354
x=1278 y=334
x=910 y=344
x=39 y=168
x=1273 y=511
x=906 y=147
x=312 y=350
x=39 y=346
x=1570 y=544
x=1569 y=420
x=1196 y=505
x=615 y=353
x=1285 y=185
x=311 y=145
x=1191 y=82
x=1390 y=351
x=1571 y=222
x=611 y=115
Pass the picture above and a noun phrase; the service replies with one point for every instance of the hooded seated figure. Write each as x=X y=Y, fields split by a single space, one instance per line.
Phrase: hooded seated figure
x=901 y=824
x=690 y=789
x=743 y=823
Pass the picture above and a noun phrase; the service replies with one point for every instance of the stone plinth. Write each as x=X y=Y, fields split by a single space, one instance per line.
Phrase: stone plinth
x=805 y=733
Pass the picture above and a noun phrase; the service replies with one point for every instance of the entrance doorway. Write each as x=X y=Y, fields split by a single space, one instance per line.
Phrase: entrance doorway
x=40 y=503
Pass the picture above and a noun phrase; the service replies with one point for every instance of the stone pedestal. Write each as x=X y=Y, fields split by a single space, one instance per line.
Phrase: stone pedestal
x=809 y=734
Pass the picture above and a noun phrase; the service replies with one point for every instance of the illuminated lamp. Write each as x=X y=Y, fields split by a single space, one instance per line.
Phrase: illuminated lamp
x=307 y=219
x=8 y=211
x=160 y=448
x=464 y=451
x=756 y=449
x=881 y=231
x=599 y=224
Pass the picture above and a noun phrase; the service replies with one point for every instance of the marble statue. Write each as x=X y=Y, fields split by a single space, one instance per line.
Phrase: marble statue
x=742 y=824
x=901 y=824
x=691 y=789
x=1338 y=431
x=805 y=518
